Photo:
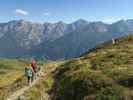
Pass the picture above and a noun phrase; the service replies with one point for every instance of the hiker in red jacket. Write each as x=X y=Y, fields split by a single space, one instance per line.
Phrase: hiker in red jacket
x=34 y=67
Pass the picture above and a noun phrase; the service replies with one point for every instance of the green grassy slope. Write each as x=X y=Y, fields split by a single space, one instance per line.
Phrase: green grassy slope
x=11 y=76
x=106 y=73
x=39 y=91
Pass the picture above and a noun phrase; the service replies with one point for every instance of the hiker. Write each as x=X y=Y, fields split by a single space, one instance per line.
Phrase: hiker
x=113 y=41
x=35 y=69
x=29 y=74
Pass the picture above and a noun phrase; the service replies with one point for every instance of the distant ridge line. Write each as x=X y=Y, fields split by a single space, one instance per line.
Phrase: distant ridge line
x=101 y=45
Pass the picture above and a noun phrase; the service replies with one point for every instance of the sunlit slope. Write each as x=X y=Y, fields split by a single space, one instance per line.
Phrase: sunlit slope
x=39 y=91
x=104 y=73
x=11 y=76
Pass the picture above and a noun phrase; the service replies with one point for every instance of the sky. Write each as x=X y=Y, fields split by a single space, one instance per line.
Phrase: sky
x=66 y=10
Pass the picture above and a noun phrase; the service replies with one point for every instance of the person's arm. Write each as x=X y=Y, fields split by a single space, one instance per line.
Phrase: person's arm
x=32 y=70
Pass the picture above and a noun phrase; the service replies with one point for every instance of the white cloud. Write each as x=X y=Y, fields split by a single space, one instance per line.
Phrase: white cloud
x=47 y=13
x=21 y=12
x=110 y=20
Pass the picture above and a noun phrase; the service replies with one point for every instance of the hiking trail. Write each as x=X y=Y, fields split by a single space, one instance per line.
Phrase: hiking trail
x=21 y=91
x=16 y=95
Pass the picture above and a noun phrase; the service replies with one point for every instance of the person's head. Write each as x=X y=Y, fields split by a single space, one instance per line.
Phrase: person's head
x=27 y=65
x=33 y=61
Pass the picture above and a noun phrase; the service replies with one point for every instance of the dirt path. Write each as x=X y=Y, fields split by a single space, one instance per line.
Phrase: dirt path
x=48 y=69
x=21 y=91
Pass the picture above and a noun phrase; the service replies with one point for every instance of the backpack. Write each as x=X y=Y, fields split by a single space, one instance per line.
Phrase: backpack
x=28 y=72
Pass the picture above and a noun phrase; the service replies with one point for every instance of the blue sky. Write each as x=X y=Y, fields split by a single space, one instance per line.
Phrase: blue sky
x=66 y=10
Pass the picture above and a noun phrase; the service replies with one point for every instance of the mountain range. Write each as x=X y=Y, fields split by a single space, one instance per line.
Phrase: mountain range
x=20 y=38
